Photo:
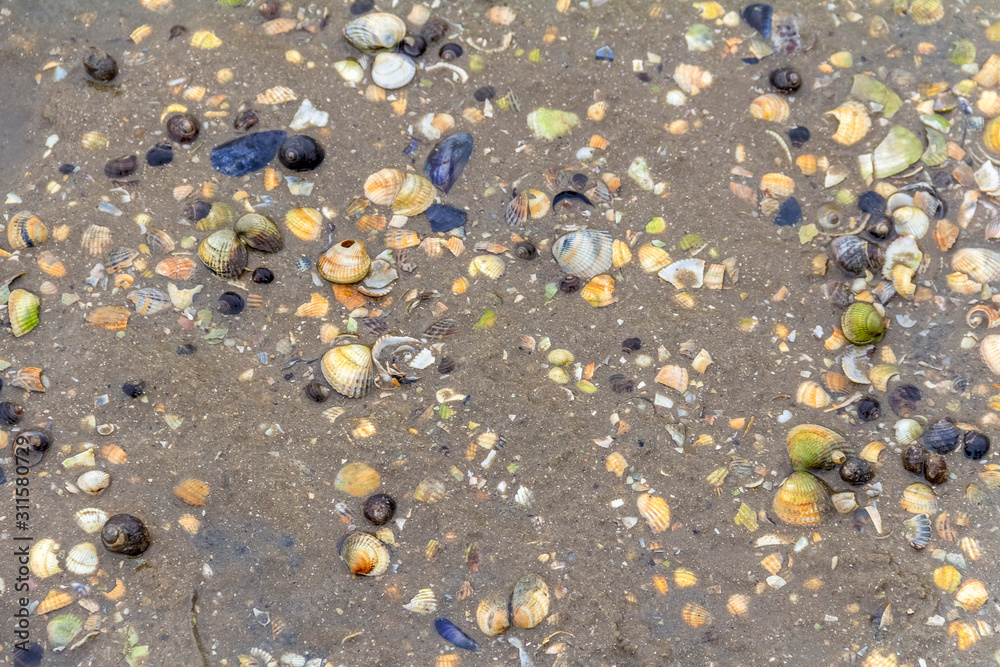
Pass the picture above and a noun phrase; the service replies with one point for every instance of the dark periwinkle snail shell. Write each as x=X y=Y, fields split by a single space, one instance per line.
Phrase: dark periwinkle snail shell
x=31 y=446
x=380 y=508
x=125 y=534
x=869 y=409
x=935 y=468
x=413 y=46
x=10 y=413
x=450 y=51
x=942 y=437
x=262 y=275
x=913 y=459
x=872 y=202
x=100 y=65
x=785 y=80
x=177 y=31
x=230 y=303
x=569 y=284
x=245 y=120
x=121 y=167
x=879 y=229
x=197 y=210
x=317 y=391
x=183 y=128
x=434 y=30
x=446 y=365
x=134 y=389
x=903 y=400
x=975 y=445
x=301 y=152
x=160 y=155
x=526 y=250
x=484 y=93
x=270 y=10
x=856 y=471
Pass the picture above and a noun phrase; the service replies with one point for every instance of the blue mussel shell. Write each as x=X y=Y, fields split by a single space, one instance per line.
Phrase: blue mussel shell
x=247 y=154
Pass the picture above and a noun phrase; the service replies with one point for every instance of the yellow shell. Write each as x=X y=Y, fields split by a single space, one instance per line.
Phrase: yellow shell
x=189 y=523
x=43 y=558
x=854 y=123
x=655 y=511
x=94 y=141
x=814 y=447
x=96 y=240
x=616 y=463
x=881 y=658
x=530 y=602
x=991 y=135
x=489 y=266
x=357 y=479
x=365 y=554
x=82 y=559
x=90 y=519
x=54 y=601
x=802 y=500
x=176 y=268
x=964 y=633
x=382 y=186
x=918 y=498
x=25 y=230
x=926 y=12
x=400 y=239
x=971 y=595
x=989 y=103
x=378 y=30
x=692 y=79
x=538 y=203
x=317 y=306
x=349 y=370
x=22 y=310
x=219 y=216
x=695 y=615
x=812 y=395
x=777 y=185
x=770 y=107
x=620 y=254
x=652 y=259
x=429 y=491
x=223 y=253
x=192 y=491
x=114 y=454
x=205 y=39
x=738 y=604
x=947 y=578
x=491 y=615
x=305 y=223
x=345 y=263
x=415 y=196
x=277 y=95
x=806 y=164
x=600 y=291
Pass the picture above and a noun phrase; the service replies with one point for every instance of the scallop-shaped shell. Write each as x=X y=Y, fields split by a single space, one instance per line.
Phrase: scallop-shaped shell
x=378 y=30
x=655 y=511
x=918 y=498
x=853 y=123
x=616 y=463
x=415 y=196
x=382 y=186
x=149 y=300
x=424 y=602
x=490 y=266
x=345 y=263
x=980 y=264
x=620 y=254
x=971 y=595
x=911 y=220
x=516 y=211
x=538 y=204
x=82 y=559
x=771 y=107
x=814 y=447
x=491 y=615
x=114 y=454
x=91 y=519
x=317 y=306
x=22 y=309
x=692 y=79
x=43 y=558
x=651 y=258
x=695 y=615
x=585 y=253
x=30 y=379
x=947 y=578
x=349 y=370
x=881 y=658
x=175 y=268
x=192 y=491
x=25 y=230
x=50 y=264
x=907 y=431
x=685 y=273
x=62 y=629
x=120 y=259
x=802 y=500
x=964 y=632
x=54 y=601
x=400 y=239
x=989 y=350
x=365 y=554
x=223 y=253
x=896 y=152
x=738 y=604
x=305 y=223
x=205 y=39
x=96 y=240
x=600 y=291
x=112 y=318
x=259 y=232
x=160 y=240
x=393 y=70
x=277 y=95
x=777 y=185
x=917 y=531
x=991 y=135
x=93 y=482
x=926 y=12
x=530 y=602
x=812 y=394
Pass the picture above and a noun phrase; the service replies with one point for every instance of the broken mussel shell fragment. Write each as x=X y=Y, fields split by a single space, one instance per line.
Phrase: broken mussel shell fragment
x=444 y=218
x=301 y=152
x=364 y=554
x=160 y=155
x=448 y=159
x=862 y=324
x=758 y=16
x=126 y=535
x=247 y=154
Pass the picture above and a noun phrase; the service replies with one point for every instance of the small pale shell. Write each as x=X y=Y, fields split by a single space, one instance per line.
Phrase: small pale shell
x=491 y=615
x=854 y=123
x=43 y=558
x=82 y=559
x=424 y=602
x=770 y=107
x=93 y=482
x=655 y=511
x=91 y=519
x=530 y=602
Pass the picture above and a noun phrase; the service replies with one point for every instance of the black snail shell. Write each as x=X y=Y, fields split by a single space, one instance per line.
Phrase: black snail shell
x=484 y=93
x=100 y=65
x=230 y=303
x=856 y=471
x=183 y=128
x=121 y=167
x=569 y=284
x=270 y=10
x=10 y=413
x=31 y=445
x=434 y=30
x=134 y=389
x=197 y=210
x=526 y=250
x=245 y=120
x=869 y=409
x=785 y=80
x=125 y=534
x=798 y=136
x=913 y=459
x=380 y=508
x=446 y=365
x=935 y=468
x=413 y=46
x=903 y=400
x=177 y=31
x=975 y=445
x=450 y=51
x=317 y=391
x=160 y=155
x=300 y=152
x=262 y=275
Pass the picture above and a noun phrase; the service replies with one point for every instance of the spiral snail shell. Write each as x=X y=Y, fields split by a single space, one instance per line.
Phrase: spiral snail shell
x=125 y=534
x=183 y=128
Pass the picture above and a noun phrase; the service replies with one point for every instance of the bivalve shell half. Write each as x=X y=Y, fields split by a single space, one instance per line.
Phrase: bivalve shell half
x=980 y=264
x=149 y=300
x=770 y=107
x=651 y=258
x=971 y=595
x=814 y=447
x=685 y=273
x=947 y=578
x=812 y=394
x=349 y=369
x=853 y=123
x=382 y=186
x=91 y=519
x=93 y=482
x=585 y=253
x=26 y=230
x=490 y=266
x=357 y=479
x=378 y=30
x=259 y=232
x=989 y=350
x=305 y=223
x=530 y=602
x=802 y=500
x=54 y=601
x=911 y=220
x=424 y=602
x=600 y=291
x=43 y=558
x=918 y=498
x=491 y=615
x=655 y=511
x=862 y=324
x=223 y=253
x=176 y=268
x=695 y=615
x=82 y=559
x=365 y=554
x=345 y=263
x=991 y=135
x=22 y=309
x=692 y=79
x=393 y=70
x=898 y=150
x=416 y=194
x=903 y=250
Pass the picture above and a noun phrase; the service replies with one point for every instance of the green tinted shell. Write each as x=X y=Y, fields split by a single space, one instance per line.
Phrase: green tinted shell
x=224 y=253
x=814 y=447
x=862 y=324
x=22 y=308
x=219 y=216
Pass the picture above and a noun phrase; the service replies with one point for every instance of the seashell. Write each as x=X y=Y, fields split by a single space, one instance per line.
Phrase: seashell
x=491 y=615
x=945 y=234
x=550 y=124
x=30 y=379
x=374 y=31
x=114 y=454
x=942 y=437
x=305 y=223
x=96 y=240
x=429 y=491
x=980 y=264
x=918 y=498
x=176 y=268
x=926 y=12
x=853 y=123
x=655 y=511
x=516 y=211
x=490 y=266
x=62 y=630
x=382 y=186
x=785 y=80
x=969 y=546
x=862 y=324
x=350 y=70
x=777 y=185
x=149 y=300
x=898 y=150
x=301 y=152
x=192 y=491
x=812 y=394
x=881 y=374
x=259 y=232
x=530 y=602
x=82 y=559
x=685 y=578
x=379 y=508
x=160 y=240
x=947 y=578
x=279 y=26
x=695 y=615
x=223 y=253
x=738 y=604
x=600 y=291
x=22 y=309
x=987 y=178
x=90 y=519
x=43 y=558
x=393 y=70
x=684 y=274
x=51 y=264
x=989 y=350
x=205 y=39
x=10 y=415
x=539 y=204
x=585 y=253
x=424 y=602
x=770 y=107
x=964 y=633
x=446 y=161
x=991 y=135
x=451 y=633
x=400 y=239
x=364 y=554
x=444 y=218
x=692 y=79
x=189 y=523
x=911 y=220
x=349 y=369
x=276 y=95
x=415 y=196
x=246 y=154
x=975 y=445
x=616 y=463
x=93 y=482
x=317 y=306
x=917 y=531
x=651 y=258
x=620 y=254
x=813 y=447
x=802 y=500
x=218 y=215
x=844 y=502
x=380 y=279
x=344 y=263
x=120 y=259
x=55 y=601
x=100 y=65
x=183 y=128
x=758 y=16
x=125 y=534
x=26 y=230
x=971 y=595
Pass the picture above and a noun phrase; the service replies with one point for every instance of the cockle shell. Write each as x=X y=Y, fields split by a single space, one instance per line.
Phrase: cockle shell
x=853 y=123
x=685 y=273
x=585 y=253
x=149 y=300
x=305 y=223
x=26 y=230
x=415 y=196
x=393 y=70
x=980 y=264
x=971 y=595
x=259 y=232
x=54 y=601
x=814 y=447
x=43 y=558
x=600 y=291
x=93 y=482
x=489 y=266
x=349 y=369
x=82 y=559
x=91 y=519
x=223 y=253
x=530 y=602
x=365 y=554
x=918 y=498
x=378 y=30
x=344 y=263
x=382 y=186
x=491 y=615
x=176 y=268
x=22 y=309
x=989 y=349
x=651 y=258
x=424 y=602
x=655 y=511
x=802 y=500
x=695 y=615
x=692 y=79
x=770 y=107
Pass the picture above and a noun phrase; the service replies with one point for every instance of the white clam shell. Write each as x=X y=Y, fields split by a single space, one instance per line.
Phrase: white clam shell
x=393 y=70
x=82 y=559
x=93 y=481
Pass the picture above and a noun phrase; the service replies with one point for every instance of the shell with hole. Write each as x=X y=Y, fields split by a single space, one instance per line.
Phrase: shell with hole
x=584 y=253
x=853 y=123
x=364 y=554
x=345 y=263
x=530 y=602
x=802 y=500
x=349 y=369
x=686 y=273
